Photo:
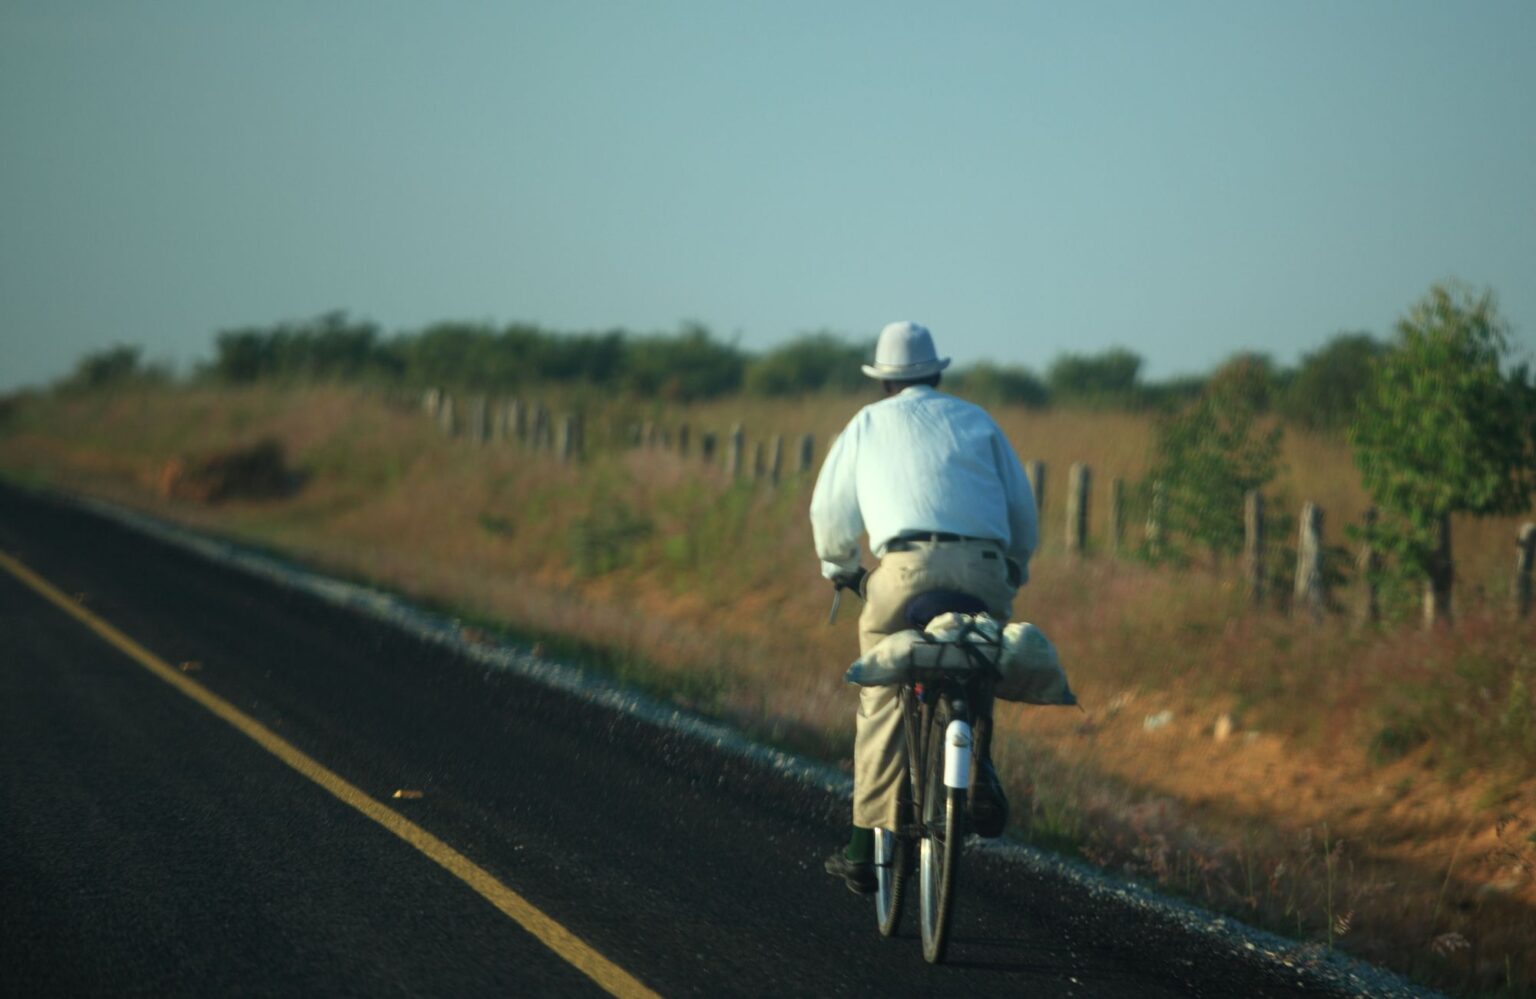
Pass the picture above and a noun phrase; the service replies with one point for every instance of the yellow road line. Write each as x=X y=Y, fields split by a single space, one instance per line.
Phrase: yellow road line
x=557 y=938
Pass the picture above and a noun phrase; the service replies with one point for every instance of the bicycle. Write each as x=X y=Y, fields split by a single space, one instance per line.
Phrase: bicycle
x=944 y=708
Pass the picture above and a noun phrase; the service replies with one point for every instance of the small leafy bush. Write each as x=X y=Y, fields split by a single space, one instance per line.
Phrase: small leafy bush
x=1444 y=428
x=1206 y=458
x=606 y=539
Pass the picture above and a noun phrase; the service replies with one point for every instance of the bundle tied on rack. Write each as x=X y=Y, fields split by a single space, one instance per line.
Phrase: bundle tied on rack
x=1026 y=663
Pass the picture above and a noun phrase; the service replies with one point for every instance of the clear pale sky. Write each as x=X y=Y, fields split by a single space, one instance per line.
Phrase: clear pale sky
x=1187 y=180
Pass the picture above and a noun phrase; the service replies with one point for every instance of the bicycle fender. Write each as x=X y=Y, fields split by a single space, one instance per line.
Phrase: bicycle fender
x=957 y=755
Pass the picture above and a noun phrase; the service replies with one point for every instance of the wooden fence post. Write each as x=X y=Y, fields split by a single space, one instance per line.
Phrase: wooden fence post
x=1079 y=476
x=1155 y=520
x=519 y=420
x=807 y=452
x=431 y=399
x=1116 y=515
x=776 y=459
x=1437 y=588
x=1036 y=472
x=542 y=437
x=1310 y=594
x=1368 y=565
x=1253 y=544
x=477 y=419
x=707 y=447
x=570 y=438
x=498 y=421
x=1525 y=554
x=733 y=451
x=759 y=462
x=445 y=417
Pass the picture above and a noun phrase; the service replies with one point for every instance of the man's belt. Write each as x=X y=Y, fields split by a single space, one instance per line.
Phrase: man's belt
x=903 y=542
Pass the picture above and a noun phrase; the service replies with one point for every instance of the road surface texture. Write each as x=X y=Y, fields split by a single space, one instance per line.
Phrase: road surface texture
x=148 y=845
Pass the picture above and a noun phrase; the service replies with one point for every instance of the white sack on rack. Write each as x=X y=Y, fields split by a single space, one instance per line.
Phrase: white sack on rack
x=1031 y=669
x=1028 y=667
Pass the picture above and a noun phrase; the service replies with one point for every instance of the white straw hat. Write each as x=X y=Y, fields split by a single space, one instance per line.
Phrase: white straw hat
x=905 y=353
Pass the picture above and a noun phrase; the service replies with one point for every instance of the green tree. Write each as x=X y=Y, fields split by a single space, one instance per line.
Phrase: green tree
x=1206 y=457
x=995 y=385
x=690 y=365
x=1328 y=384
x=111 y=366
x=1172 y=393
x=809 y=363
x=1107 y=377
x=328 y=346
x=1443 y=428
x=1249 y=376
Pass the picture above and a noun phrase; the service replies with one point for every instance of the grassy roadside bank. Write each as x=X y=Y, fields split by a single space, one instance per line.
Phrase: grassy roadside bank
x=1370 y=789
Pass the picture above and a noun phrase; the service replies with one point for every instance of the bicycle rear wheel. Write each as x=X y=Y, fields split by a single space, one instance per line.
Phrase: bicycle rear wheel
x=896 y=849
x=939 y=849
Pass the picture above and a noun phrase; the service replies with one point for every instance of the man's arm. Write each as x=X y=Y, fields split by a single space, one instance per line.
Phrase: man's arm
x=836 y=522
x=1023 y=521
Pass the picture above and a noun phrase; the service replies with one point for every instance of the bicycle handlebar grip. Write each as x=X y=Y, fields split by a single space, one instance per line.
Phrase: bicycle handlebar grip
x=850 y=581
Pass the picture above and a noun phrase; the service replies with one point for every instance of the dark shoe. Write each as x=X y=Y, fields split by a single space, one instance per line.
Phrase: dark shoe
x=989 y=806
x=859 y=877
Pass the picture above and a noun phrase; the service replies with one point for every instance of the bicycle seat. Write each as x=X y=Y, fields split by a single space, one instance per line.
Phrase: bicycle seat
x=926 y=606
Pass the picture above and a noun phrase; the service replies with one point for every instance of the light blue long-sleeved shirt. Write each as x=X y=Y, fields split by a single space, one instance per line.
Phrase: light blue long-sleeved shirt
x=917 y=461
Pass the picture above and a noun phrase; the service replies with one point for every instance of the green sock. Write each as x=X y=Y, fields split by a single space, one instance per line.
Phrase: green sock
x=861 y=846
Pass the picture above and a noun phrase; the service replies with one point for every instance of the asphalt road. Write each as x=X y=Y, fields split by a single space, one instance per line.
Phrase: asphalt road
x=147 y=846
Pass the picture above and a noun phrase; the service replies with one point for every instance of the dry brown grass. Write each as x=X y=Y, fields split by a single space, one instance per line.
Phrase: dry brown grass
x=1413 y=751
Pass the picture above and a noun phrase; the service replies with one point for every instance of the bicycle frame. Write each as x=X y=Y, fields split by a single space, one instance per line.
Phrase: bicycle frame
x=937 y=788
x=934 y=807
x=918 y=701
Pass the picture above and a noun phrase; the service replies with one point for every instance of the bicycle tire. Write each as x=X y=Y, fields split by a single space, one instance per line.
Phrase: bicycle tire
x=939 y=854
x=895 y=852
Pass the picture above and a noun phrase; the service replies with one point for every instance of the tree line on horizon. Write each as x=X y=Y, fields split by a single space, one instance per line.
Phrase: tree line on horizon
x=692 y=364
x=1441 y=420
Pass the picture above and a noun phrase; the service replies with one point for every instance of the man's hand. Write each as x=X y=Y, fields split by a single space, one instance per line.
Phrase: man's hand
x=848 y=579
x=851 y=579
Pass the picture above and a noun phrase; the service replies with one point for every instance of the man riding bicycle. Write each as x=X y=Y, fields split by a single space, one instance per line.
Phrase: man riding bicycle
x=946 y=505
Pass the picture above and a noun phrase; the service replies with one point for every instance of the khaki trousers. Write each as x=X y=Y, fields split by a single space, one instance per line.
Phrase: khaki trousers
x=880 y=741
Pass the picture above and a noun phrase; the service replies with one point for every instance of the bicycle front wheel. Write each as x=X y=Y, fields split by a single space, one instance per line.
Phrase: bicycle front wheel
x=942 y=830
x=890 y=879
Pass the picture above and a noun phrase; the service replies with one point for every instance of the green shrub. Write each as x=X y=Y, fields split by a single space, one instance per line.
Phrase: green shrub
x=1106 y=378
x=809 y=363
x=111 y=368
x=1205 y=460
x=1249 y=378
x=1518 y=721
x=1444 y=428
x=999 y=385
x=328 y=346
x=606 y=539
x=1397 y=739
x=1325 y=391
x=684 y=367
